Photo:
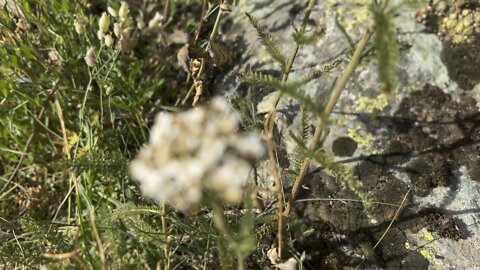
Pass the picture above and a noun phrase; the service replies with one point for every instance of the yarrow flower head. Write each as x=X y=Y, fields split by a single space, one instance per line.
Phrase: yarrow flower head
x=196 y=154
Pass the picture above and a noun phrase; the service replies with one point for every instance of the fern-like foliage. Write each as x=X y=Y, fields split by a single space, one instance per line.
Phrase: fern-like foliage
x=291 y=88
x=315 y=74
x=249 y=122
x=305 y=37
x=129 y=209
x=138 y=228
x=16 y=253
x=266 y=224
x=134 y=218
x=268 y=41
x=298 y=155
x=341 y=172
x=386 y=47
x=288 y=88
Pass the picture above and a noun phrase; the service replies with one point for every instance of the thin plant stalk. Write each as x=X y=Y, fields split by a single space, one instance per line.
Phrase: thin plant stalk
x=67 y=256
x=101 y=250
x=268 y=131
x=221 y=225
x=202 y=18
x=400 y=207
x=332 y=100
x=288 y=68
x=165 y=234
x=279 y=191
x=213 y=36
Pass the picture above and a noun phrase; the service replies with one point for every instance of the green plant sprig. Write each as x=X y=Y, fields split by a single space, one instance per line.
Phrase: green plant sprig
x=269 y=123
x=332 y=100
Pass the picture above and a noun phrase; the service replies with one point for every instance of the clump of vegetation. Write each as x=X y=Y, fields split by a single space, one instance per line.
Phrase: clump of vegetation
x=456 y=21
x=81 y=83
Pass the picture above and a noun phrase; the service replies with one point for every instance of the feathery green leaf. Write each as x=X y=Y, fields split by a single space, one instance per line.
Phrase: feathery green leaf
x=341 y=172
x=288 y=88
x=291 y=88
x=306 y=37
x=268 y=41
x=387 y=48
x=299 y=155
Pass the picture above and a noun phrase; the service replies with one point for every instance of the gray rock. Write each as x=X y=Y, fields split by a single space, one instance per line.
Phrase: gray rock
x=420 y=64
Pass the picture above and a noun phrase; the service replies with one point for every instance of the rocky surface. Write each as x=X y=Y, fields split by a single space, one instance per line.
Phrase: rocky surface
x=425 y=141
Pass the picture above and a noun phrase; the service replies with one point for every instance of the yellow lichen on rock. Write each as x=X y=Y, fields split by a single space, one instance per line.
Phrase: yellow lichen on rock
x=364 y=140
x=372 y=105
x=428 y=254
x=428 y=236
x=352 y=13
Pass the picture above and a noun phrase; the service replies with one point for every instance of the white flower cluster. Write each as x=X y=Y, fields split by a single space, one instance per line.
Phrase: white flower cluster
x=195 y=153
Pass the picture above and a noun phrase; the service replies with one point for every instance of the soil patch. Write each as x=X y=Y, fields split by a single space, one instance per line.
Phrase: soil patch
x=430 y=138
x=458 y=59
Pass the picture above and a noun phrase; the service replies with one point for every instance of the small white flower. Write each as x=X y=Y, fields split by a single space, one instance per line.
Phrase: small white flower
x=90 y=57
x=108 y=90
x=54 y=56
x=230 y=177
x=211 y=151
x=162 y=128
x=249 y=146
x=104 y=22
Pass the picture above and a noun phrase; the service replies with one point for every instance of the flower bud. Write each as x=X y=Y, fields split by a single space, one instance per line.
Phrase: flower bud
x=140 y=22
x=79 y=26
x=123 y=11
x=156 y=21
x=100 y=35
x=225 y=7
x=108 y=90
x=108 y=40
x=127 y=23
x=104 y=22
x=112 y=12
x=90 y=57
x=117 y=29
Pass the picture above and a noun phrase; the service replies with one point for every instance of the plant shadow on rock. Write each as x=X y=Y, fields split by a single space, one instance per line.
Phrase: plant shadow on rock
x=431 y=137
x=460 y=60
